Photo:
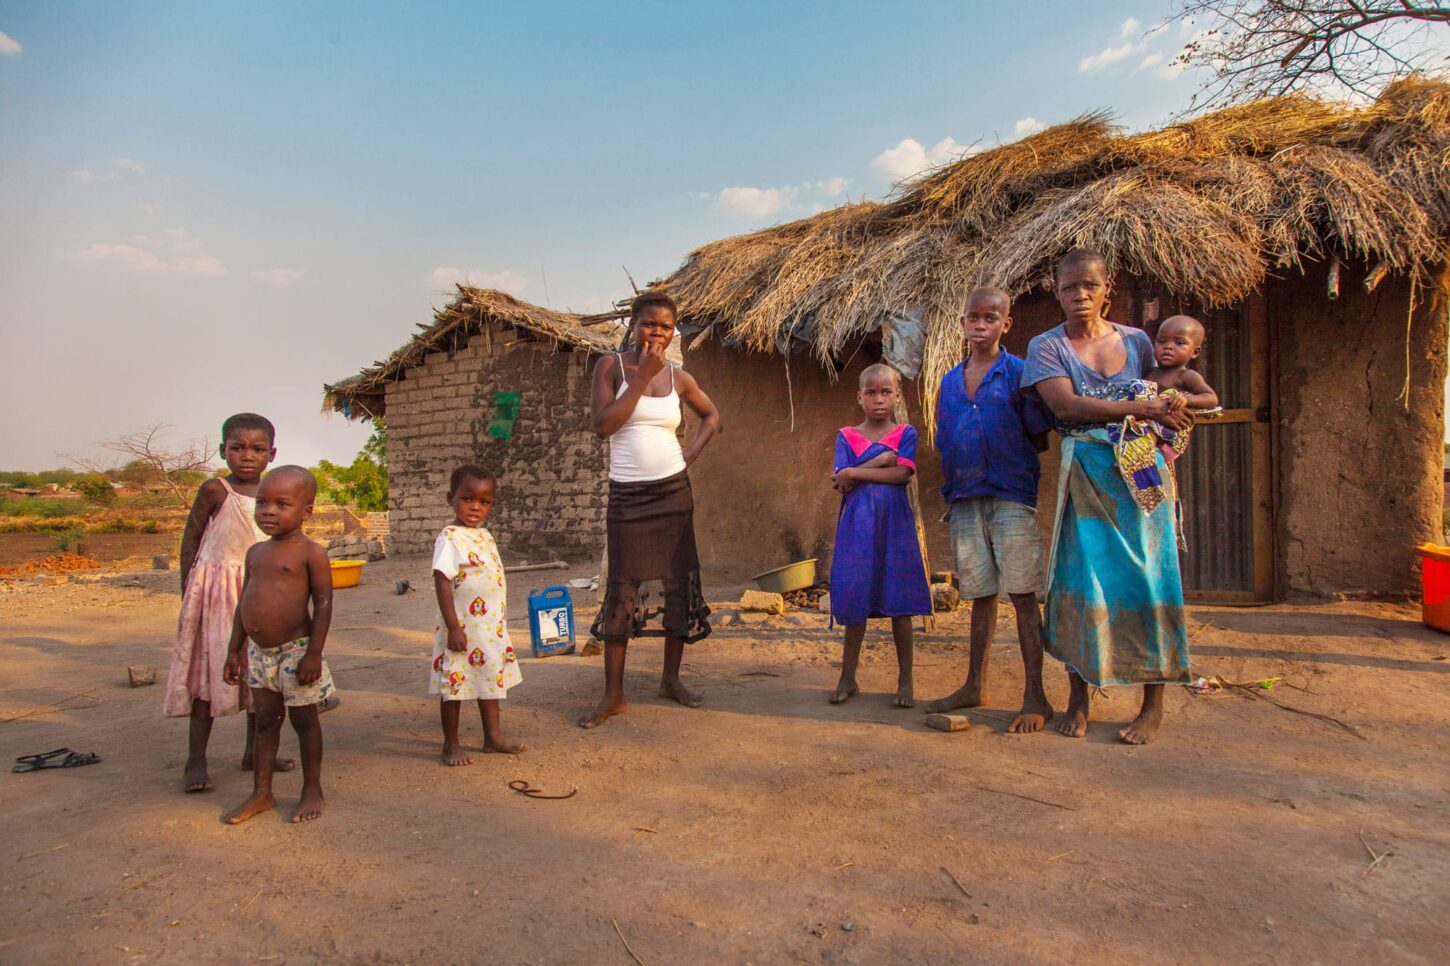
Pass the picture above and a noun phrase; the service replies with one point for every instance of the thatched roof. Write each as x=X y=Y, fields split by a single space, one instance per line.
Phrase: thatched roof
x=1209 y=207
x=470 y=312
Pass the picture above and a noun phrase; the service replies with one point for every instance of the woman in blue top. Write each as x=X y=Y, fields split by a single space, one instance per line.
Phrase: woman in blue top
x=1114 y=594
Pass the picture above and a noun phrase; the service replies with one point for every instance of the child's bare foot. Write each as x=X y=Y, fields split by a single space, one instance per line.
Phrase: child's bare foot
x=309 y=808
x=682 y=694
x=905 y=697
x=1144 y=727
x=278 y=764
x=607 y=709
x=502 y=746
x=259 y=802
x=454 y=756
x=195 y=778
x=1033 y=716
x=844 y=692
x=967 y=696
x=1074 y=720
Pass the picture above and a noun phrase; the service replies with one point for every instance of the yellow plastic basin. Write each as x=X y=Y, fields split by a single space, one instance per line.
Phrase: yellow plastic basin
x=346 y=573
x=783 y=580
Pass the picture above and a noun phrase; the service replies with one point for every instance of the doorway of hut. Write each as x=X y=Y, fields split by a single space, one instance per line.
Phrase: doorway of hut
x=1225 y=479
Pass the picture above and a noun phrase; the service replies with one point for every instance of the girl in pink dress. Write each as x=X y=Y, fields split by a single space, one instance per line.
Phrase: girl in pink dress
x=214 y=547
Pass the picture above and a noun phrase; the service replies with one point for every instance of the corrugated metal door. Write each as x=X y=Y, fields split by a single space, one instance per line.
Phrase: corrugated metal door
x=1225 y=477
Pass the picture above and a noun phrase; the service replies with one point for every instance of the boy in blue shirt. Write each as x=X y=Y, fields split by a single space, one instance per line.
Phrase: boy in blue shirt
x=989 y=434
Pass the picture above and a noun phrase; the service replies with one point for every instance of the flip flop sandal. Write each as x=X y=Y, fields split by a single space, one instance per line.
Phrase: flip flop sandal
x=52 y=759
x=524 y=788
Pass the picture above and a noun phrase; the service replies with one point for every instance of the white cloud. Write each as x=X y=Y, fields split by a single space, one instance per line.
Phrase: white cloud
x=910 y=158
x=1155 y=64
x=83 y=174
x=755 y=202
x=147 y=208
x=443 y=279
x=1093 y=63
x=1026 y=126
x=9 y=46
x=831 y=186
x=1110 y=55
x=126 y=164
x=170 y=251
x=278 y=276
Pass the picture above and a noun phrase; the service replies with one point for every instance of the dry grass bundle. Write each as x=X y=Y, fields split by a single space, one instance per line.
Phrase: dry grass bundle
x=1207 y=207
x=472 y=309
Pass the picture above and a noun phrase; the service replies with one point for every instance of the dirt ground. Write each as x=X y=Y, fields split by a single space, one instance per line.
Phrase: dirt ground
x=767 y=827
x=22 y=548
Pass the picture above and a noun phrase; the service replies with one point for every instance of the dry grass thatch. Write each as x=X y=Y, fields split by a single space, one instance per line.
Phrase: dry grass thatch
x=1207 y=207
x=362 y=396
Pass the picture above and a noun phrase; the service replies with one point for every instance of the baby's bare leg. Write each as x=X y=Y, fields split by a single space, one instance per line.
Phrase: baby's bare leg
x=901 y=635
x=493 y=739
x=850 y=659
x=281 y=764
x=309 y=737
x=973 y=693
x=453 y=753
x=267 y=705
x=1036 y=710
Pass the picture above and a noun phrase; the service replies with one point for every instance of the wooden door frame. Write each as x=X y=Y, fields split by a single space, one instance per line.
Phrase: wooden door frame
x=1263 y=419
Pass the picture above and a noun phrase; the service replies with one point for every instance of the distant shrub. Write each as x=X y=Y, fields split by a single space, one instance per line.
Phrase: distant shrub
x=96 y=488
x=66 y=539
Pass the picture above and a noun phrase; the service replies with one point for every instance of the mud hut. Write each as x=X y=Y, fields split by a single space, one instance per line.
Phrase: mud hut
x=497 y=381
x=1310 y=236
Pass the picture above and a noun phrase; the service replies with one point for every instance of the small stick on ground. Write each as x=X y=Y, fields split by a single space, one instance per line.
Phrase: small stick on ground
x=1255 y=692
x=53 y=848
x=1378 y=857
x=948 y=873
x=251 y=900
x=1062 y=855
x=843 y=865
x=620 y=934
x=1025 y=798
x=48 y=708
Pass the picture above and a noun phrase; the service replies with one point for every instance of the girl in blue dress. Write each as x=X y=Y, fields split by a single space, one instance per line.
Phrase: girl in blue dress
x=876 y=566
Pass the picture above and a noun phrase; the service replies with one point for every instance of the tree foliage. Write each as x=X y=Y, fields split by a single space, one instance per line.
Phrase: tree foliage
x=364 y=483
x=1265 y=48
x=96 y=488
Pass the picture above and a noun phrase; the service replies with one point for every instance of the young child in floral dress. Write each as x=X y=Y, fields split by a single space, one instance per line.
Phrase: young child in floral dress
x=214 y=547
x=473 y=658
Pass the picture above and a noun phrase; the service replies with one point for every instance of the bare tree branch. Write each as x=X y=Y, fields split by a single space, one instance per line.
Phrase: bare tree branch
x=168 y=464
x=1264 y=48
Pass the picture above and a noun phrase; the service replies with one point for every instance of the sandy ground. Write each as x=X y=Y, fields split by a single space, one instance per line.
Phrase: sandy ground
x=767 y=827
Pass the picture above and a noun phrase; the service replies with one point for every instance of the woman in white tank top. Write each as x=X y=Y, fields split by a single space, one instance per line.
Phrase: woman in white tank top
x=651 y=523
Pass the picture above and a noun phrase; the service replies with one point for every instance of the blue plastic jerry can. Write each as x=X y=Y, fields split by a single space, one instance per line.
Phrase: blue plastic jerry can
x=551 y=621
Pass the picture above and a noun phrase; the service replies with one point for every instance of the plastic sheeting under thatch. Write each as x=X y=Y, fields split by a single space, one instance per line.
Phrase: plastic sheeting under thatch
x=1208 y=207
x=362 y=396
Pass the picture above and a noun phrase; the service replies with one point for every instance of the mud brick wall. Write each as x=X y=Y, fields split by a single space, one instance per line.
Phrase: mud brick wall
x=552 y=481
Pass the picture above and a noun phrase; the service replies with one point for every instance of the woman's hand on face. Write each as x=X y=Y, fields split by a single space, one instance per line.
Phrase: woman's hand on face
x=651 y=362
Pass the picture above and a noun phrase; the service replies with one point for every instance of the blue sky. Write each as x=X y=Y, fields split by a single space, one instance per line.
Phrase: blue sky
x=212 y=208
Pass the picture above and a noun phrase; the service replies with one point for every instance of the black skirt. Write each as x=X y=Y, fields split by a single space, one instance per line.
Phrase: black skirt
x=651 y=531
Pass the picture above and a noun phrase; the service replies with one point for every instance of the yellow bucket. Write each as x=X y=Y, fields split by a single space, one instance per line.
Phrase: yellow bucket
x=346 y=573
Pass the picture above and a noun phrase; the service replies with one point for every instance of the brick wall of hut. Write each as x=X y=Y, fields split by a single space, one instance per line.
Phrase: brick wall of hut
x=551 y=473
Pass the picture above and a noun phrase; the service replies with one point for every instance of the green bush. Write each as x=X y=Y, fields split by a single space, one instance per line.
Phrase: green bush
x=96 y=488
x=65 y=540
x=46 y=507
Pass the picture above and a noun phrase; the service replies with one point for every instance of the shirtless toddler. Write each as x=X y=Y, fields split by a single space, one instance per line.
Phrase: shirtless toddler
x=283 y=663
x=1178 y=342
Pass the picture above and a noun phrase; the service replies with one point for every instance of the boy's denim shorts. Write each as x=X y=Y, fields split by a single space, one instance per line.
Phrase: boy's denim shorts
x=997 y=546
